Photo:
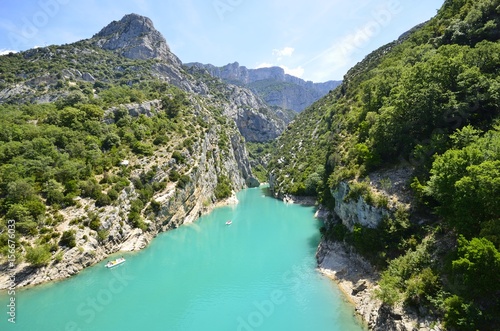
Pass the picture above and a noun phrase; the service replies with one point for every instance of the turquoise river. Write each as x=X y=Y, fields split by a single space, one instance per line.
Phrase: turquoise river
x=256 y=274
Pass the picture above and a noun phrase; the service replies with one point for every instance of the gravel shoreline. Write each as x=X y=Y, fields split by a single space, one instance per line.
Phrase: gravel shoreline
x=357 y=279
x=354 y=276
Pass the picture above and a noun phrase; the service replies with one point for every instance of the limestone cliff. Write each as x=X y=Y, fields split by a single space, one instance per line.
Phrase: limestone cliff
x=272 y=84
x=209 y=157
x=356 y=210
x=382 y=194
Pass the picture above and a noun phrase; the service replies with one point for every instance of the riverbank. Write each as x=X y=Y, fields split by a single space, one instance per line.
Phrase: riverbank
x=242 y=287
x=357 y=279
x=76 y=259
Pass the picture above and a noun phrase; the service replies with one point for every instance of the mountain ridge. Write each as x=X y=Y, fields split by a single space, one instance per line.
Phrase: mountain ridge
x=272 y=84
x=135 y=38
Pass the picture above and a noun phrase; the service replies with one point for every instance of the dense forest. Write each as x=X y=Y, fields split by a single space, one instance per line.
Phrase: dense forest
x=428 y=102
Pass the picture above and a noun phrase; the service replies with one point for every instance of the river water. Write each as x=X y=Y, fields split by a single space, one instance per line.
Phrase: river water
x=256 y=274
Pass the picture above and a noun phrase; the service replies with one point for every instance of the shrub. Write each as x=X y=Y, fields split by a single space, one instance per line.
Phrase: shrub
x=183 y=181
x=381 y=201
x=112 y=194
x=358 y=189
x=389 y=291
x=160 y=140
x=103 y=200
x=155 y=206
x=460 y=315
x=38 y=256
x=146 y=193
x=179 y=158
x=91 y=189
x=174 y=176
x=102 y=235
x=111 y=140
x=68 y=239
x=142 y=148
x=95 y=223
x=59 y=256
x=421 y=287
x=313 y=183
x=136 y=220
x=223 y=188
x=27 y=227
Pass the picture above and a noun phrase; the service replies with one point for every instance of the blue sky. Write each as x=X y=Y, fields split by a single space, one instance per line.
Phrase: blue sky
x=316 y=40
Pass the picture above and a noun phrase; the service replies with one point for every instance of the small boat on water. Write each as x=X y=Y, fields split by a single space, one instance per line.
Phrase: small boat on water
x=114 y=263
x=229 y=222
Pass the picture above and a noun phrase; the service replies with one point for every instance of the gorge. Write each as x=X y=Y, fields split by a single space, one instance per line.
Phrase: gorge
x=109 y=142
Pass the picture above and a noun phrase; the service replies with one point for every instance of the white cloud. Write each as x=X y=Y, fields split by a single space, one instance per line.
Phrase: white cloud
x=264 y=65
x=297 y=72
x=6 y=51
x=284 y=52
x=287 y=51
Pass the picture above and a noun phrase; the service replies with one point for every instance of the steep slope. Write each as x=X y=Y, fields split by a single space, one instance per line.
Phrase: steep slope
x=405 y=155
x=272 y=84
x=102 y=148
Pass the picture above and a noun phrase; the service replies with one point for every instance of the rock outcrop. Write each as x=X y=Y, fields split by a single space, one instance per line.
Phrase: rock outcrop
x=254 y=119
x=356 y=211
x=135 y=37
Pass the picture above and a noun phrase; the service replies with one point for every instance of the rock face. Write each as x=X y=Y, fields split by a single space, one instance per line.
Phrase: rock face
x=135 y=37
x=272 y=84
x=147 y=108
x=356 y=211
x=256 y=122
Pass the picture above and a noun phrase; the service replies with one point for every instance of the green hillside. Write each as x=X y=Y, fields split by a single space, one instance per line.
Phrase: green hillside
x=84 y=157
x=428 y=102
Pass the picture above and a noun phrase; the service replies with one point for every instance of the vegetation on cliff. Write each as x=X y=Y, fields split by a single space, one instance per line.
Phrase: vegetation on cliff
x=428 y=102
x=54 y=154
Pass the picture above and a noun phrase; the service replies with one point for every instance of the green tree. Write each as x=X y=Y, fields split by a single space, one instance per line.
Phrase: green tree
x=477 y=268
x=223 y=188
x=476 y=279
x=466 y=183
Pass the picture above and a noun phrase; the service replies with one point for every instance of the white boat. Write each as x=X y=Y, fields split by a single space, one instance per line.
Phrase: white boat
x=114 y=263
x=229 y=222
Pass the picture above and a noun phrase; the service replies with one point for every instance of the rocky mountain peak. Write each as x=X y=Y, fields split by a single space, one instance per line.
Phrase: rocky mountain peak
x=135 y=37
